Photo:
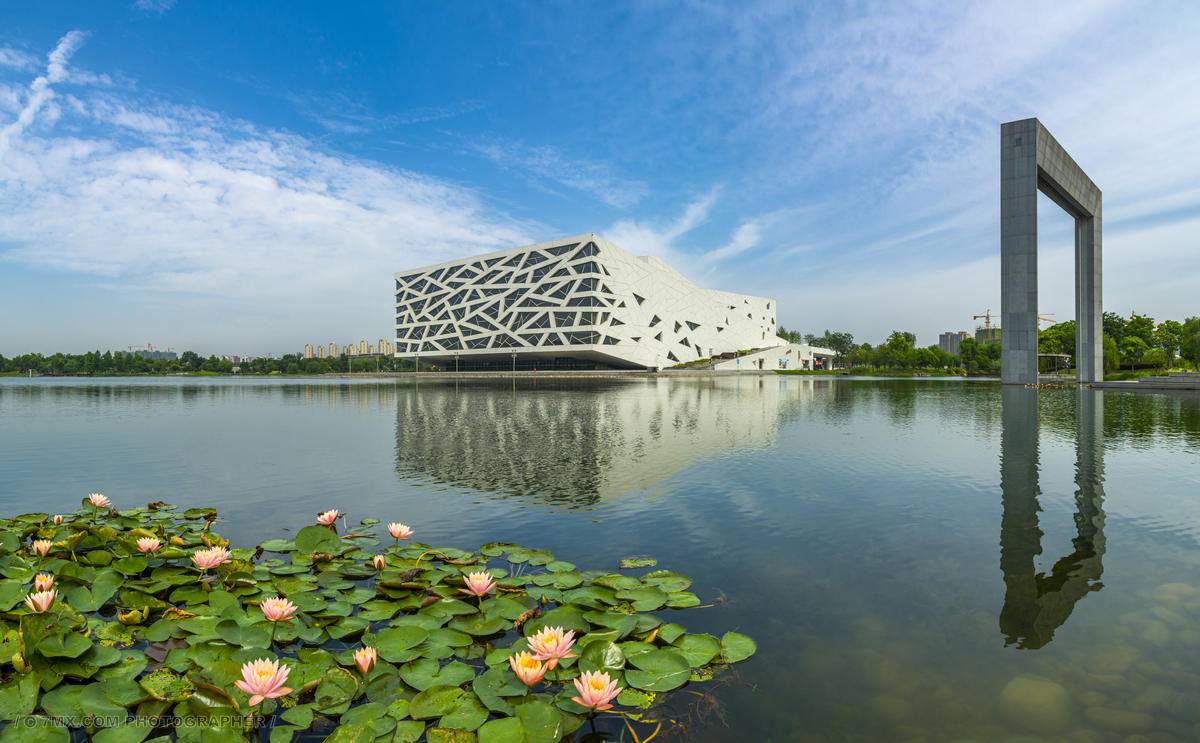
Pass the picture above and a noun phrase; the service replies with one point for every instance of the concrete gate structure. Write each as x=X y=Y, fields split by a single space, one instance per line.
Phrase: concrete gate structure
x=1032 y=160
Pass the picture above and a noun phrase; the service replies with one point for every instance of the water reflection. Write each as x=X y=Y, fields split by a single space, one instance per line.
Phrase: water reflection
x=583 y=444
x=1036 y=604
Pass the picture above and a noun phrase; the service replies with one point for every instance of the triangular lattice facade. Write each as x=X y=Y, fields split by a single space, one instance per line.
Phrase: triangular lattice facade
x=577 y=298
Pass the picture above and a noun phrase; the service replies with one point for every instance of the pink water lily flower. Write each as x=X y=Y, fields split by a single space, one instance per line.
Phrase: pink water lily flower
x=365 y=658
x=210 y=558
x=551 y=644
x=277 y=609
x=478 y=584
x=40 y=601
x=43 y=582
x=378 y=561
x=327 y=518
x=148 y=544
x=42 y=547
x=528 y=668
x=99 y=501
x=596 y=690
x=57 y=519
x=399 y=531
x=264 y=679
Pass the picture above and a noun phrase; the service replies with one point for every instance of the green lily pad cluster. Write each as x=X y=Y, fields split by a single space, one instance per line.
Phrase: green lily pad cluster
x=144 y=646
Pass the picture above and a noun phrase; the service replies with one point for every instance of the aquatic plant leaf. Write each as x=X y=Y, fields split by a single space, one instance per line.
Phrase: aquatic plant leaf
x=278 y=545
x=540 y=722
x=18 y=697
x=130 y=732
x=426 y=672
x=335 y=691
x=373 y=715
x=466 y=714
x=698 y=649
x=601 y=656
x=493 y=685
x=64 y=645
x=682 y=600
x=314 y=538
x=35 y=729
x=361 y=732
x=434 y=702
x=12 y=592
x=646 y=598
x=736 y=647
x=301 y=715
x=667 y=580
x=408 y=731
x=479 y=625
x=392 y=642
x=449 y=735
x=503 y=730
x=633 y=563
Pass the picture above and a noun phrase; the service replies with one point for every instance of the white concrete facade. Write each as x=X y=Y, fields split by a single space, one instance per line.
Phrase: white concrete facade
x=789 y=356
x=579 y=298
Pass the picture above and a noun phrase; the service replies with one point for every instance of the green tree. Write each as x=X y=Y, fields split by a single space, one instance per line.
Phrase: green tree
x=1133 y=348
x=1112 y=357
x=1189 y=347
x=1142 y=327
x=1167 y=336
x=1114 y=325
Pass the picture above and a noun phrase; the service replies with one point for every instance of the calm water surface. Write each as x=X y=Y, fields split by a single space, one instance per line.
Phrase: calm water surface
x=918 y=560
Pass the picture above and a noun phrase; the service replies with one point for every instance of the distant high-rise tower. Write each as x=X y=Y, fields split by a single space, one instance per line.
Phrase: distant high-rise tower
x=363 y=348
x=320 y=352
x=950 y=341
x=333 y=350
x=308 y=352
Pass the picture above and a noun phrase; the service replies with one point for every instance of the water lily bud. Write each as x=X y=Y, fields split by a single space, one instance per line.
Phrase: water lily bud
x=177 y=541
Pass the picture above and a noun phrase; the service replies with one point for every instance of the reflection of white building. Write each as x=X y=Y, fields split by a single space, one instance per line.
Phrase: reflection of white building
x=571 y=302
x=579 y=444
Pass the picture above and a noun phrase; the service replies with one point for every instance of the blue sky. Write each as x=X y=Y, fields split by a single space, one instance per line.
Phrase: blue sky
x=245 y=177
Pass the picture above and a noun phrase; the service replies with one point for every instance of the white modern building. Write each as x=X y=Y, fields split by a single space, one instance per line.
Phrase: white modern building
x=578 y=302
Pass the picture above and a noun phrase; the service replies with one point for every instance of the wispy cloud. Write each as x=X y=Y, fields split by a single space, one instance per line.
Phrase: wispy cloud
x=154 y=6
x=39 y=90
x=15 y=59
x=542 y=163
x=341 y=114
x=162 y=199
x=654 y=238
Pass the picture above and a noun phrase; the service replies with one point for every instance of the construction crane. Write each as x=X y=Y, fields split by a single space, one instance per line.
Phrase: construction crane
x=987 y=319
x=1044 y=318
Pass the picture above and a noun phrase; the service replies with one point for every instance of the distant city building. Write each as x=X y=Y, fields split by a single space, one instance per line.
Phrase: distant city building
x=950 y=341
x=987 y=335
x=333 y=350
x=320 y=352
x=153 y=355
x=308 y=350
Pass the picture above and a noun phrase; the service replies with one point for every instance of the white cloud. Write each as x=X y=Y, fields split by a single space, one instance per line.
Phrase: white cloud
x=16 y=59
x=641 y=238
x=167 y=201
x=39 y=90
x=154 y=6
x=541 y=163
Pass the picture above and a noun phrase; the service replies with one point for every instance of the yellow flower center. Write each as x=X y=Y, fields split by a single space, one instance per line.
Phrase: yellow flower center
x=596 y=685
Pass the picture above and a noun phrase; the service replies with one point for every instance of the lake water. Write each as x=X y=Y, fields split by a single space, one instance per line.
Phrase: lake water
x=918 y=560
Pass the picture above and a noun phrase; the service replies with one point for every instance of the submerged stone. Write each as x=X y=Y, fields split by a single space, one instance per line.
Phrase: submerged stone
x=1119 y=720
x=1173 y=593
x=1037 y=704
